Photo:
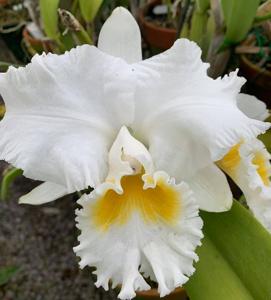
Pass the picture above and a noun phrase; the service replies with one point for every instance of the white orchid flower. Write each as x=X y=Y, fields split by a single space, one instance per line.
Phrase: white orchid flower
x=248 y=164
x=144 y=134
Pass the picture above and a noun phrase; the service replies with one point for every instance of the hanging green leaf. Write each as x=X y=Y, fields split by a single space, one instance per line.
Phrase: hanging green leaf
x=7 y=273
x=49 y=17
x=235 y=258
x=239 y=16
x=89 y=9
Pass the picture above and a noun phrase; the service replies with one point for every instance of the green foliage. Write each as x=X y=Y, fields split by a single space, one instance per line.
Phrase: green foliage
x=89 y=9
x=198 y=28
x=8 y=178
x=266 y=139
x=7 y=273
x=49 y=17
x=239 y=16
x=202 y=5
x=234 y=260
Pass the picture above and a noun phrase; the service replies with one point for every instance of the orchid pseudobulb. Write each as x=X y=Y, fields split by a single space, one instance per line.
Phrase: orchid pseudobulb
x=149 y=136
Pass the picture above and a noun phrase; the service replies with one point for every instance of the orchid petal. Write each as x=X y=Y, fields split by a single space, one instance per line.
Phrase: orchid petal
x=125 y=252
x=248 y=164
x=120 y=36
x=252 y=107
x=63 y=114
x=175 y=97
x=44 y=193
x=211 y=189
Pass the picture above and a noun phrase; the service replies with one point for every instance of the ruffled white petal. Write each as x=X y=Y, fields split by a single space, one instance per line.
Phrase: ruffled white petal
x=252 y=107
x=211 y=189
x=120 y=36
x=63 y=113
x=124 y=252
x=44 y=193
x=251 y=172
x=178 y=103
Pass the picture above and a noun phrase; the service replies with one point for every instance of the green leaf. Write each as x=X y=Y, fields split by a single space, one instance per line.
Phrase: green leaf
x=49 y=17
x=202 y=5
x=9 y=176
x=199 y=28
x=235 y=258
x=89 y=9
x=239 y=16
x=6 y=274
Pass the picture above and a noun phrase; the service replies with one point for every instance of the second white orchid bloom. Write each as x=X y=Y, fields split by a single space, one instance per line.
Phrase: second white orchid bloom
x=248 y=164
x=144 y=134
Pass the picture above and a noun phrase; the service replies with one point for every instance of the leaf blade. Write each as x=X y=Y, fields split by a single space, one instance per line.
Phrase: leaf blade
x=89 y=9
x=242 y=245
x=49 y=17
x=239 y=16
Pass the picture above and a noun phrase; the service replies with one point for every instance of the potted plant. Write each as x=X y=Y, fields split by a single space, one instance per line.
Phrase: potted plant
x=255 y=61
x=157 y=24
x=3 y=2
x=57 y=30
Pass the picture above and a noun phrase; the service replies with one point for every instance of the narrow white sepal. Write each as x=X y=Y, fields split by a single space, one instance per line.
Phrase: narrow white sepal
x=120 y=36
x=46 y=192
x=252 y=107
x=211 y=189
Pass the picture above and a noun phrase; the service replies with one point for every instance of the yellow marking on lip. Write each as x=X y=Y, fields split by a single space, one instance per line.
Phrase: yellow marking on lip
x=231 y=160
x=262 y=168
x=161 y=203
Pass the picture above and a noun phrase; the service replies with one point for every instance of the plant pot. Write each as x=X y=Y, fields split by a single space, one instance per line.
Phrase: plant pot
x=152 y=294
x=258 y=79
x=155 y=36
x=3 y=2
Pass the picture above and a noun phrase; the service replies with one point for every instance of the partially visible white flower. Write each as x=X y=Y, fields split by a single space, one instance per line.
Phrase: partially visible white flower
x=248 y=164
x=66 y=124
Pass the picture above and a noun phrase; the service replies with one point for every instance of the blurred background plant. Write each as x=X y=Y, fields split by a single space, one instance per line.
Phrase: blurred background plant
x=217 y=26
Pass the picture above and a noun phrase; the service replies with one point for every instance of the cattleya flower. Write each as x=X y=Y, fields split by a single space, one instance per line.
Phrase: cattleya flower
x=149 y=136
x=248 y=164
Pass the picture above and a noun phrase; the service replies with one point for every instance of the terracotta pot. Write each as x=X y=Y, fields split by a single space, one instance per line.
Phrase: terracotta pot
x=177 y=294
x=37 y=44
x=155 y=36
x=259 y=79
x=3 y=2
